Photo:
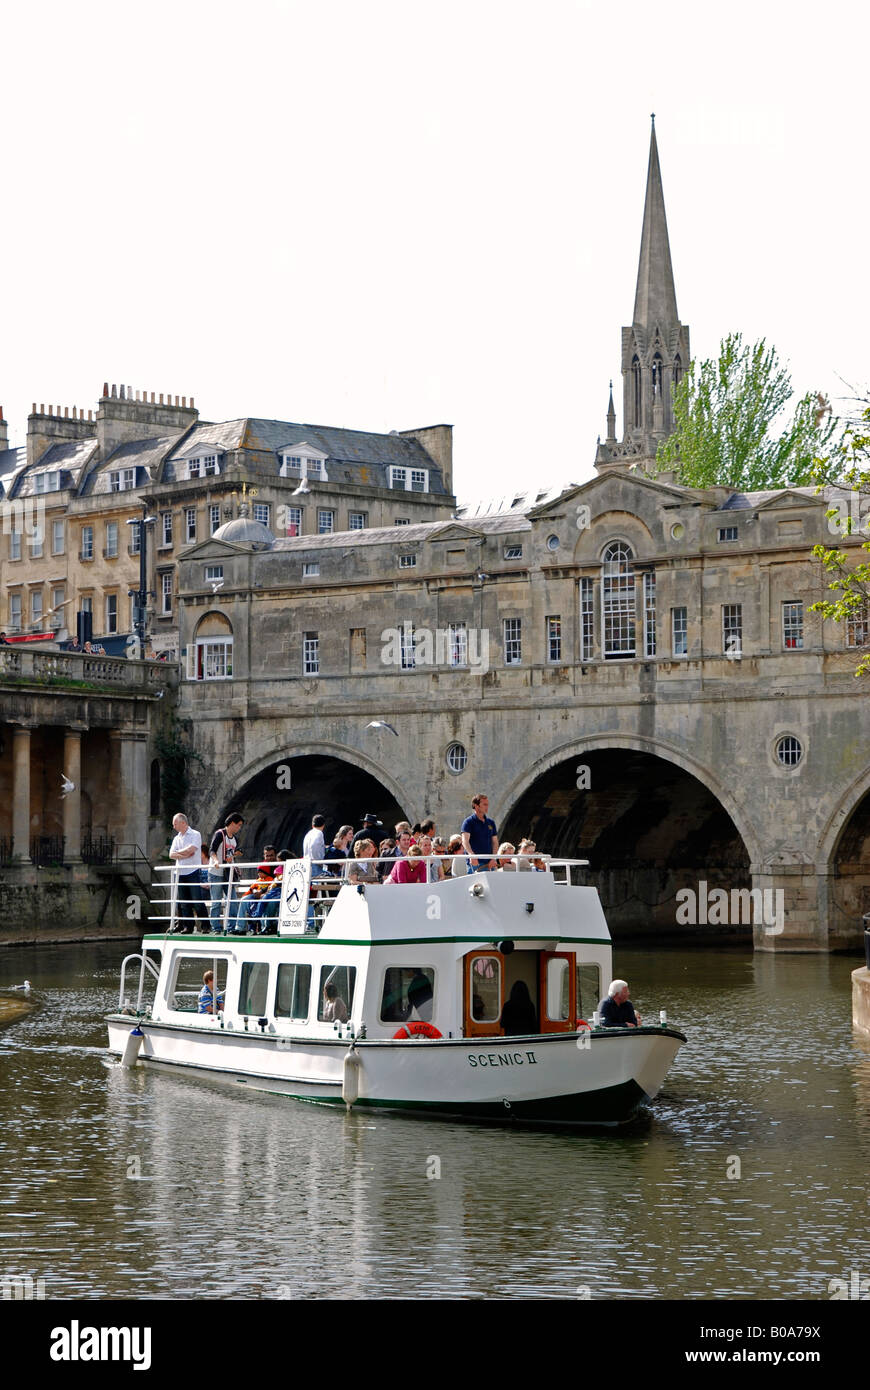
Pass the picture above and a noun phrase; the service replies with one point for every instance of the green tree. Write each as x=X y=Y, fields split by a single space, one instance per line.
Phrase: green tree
x=724 y=410
x=846 y=467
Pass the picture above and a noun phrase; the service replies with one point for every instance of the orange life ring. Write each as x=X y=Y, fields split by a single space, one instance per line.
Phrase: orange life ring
x=581 y=1023
x=417 y=1030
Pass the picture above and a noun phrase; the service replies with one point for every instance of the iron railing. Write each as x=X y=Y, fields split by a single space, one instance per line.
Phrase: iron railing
x=47 y=851
x=98 y=849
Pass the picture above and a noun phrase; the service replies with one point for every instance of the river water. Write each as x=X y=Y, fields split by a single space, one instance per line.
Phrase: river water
x=120 y=1184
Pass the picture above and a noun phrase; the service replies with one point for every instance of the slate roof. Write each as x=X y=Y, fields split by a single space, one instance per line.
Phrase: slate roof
x=740 y=501
x=402 y=535
x=69 y=458
x=355 y=449
x=145 y=455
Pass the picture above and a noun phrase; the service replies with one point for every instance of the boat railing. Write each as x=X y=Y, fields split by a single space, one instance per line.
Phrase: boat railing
x=224 y=899
x=144 y=964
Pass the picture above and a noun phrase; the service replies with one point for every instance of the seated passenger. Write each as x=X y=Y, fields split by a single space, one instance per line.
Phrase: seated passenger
x=411 y=869
x=617 y=1010
x=434 y=871
x=334 y=1007
x=362 y=868
x=503 y=861
x=519 y=1015
x=524 y=861
x=459 y=864
x=205 y=1001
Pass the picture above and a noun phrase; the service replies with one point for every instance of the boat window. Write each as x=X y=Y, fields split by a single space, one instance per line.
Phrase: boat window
x=252 y=991
x=336 y=993
x=588 y=989
x=558 y=992
x=409 y=993
x=189 y=971
x=485 y=989
x=293 y=989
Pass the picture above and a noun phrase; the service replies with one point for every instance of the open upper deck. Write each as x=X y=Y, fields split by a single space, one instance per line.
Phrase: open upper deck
x=490 y=906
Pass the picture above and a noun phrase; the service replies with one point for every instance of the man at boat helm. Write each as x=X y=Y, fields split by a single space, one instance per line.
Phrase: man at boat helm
x=617 y=1010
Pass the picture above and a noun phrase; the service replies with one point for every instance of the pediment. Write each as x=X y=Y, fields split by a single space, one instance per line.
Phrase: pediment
x=455 y=531
x=212 y=549
x=609 y=484
x=304 y=450
x=790 y=498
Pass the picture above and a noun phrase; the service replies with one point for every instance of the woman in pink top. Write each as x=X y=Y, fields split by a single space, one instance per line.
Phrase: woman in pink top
x=408 y=870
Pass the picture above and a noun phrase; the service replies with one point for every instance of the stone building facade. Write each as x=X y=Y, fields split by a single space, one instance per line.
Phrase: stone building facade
x=68 y=495
x=630 y=669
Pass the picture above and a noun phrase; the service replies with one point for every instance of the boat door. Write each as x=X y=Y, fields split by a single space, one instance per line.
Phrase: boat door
x=484 y=993
x=558 y=991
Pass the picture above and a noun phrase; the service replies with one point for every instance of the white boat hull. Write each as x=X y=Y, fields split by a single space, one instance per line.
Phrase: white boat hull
x=566 y=1079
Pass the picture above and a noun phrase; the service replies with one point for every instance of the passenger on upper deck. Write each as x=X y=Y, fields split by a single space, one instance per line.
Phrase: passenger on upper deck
x=504 y=862
x=313 y=846
x=361 y=869
x=617 y=1010
x=409 y=870
x=479 y=835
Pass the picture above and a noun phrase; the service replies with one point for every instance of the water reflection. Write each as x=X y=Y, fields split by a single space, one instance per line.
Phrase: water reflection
x=139 y=1185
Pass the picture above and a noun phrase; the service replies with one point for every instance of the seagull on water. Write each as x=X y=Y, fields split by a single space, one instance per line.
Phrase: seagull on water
x=25 y=988
x=382 y=724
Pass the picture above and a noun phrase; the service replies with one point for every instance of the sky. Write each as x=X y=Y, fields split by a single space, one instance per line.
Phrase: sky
x=383 y=214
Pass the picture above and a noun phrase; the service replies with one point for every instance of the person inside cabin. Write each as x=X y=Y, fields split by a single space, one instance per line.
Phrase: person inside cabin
x=205 y=1002
x=617 y=1010
x=334 y=1007
x=4 y=640
x=420 y=998
x=519 y=1015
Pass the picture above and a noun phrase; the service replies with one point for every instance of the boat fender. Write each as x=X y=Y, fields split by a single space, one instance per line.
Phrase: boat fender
x=134 y=1041
x=418 y=1030
x=350 y=1077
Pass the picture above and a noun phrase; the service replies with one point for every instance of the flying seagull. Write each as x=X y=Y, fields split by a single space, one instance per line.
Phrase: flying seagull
x=216 y=584
x=481 y=575
x=303 y=487
x=382 y=724
x=68 y=786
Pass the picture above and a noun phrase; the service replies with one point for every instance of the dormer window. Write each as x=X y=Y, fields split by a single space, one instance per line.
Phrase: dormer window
x=409 y=479
x=46 y=482
x=204 y=466
x=303 y=461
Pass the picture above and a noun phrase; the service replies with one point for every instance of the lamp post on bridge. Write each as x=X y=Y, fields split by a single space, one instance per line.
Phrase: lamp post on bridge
x=140 y=595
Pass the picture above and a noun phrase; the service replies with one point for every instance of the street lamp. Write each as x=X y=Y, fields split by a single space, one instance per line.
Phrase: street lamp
x=140 y=595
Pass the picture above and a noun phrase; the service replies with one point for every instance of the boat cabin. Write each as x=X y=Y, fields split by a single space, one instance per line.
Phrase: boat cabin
x=432 y=959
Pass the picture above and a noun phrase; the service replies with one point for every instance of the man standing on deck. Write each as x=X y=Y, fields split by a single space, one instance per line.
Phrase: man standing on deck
x=186 y=851
x=479 y=835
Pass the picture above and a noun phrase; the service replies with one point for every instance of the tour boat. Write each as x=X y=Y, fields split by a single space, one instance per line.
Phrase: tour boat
x=389 y=996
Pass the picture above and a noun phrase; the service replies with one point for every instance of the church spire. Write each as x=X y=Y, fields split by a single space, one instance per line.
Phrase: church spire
x=655 y=300
x=611 y=419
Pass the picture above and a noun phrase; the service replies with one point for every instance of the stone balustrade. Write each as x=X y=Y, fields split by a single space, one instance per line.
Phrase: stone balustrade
x=40 y=666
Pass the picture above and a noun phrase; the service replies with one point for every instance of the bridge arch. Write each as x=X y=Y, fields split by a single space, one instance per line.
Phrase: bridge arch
x=843 y=857
x=651 y=821
x=279 y=791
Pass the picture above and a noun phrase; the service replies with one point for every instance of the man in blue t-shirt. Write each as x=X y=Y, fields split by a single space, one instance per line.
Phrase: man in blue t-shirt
x=617 y=1010
x=479 y=835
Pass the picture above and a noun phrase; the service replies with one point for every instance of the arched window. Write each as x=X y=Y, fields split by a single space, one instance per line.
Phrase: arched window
x=635 y=372
x=657 y=366
x=678 y=370
x=211 y=655
x=155 y=787
x=618 y=602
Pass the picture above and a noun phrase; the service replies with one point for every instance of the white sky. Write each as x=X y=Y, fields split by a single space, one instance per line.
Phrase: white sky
x=387 y=213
